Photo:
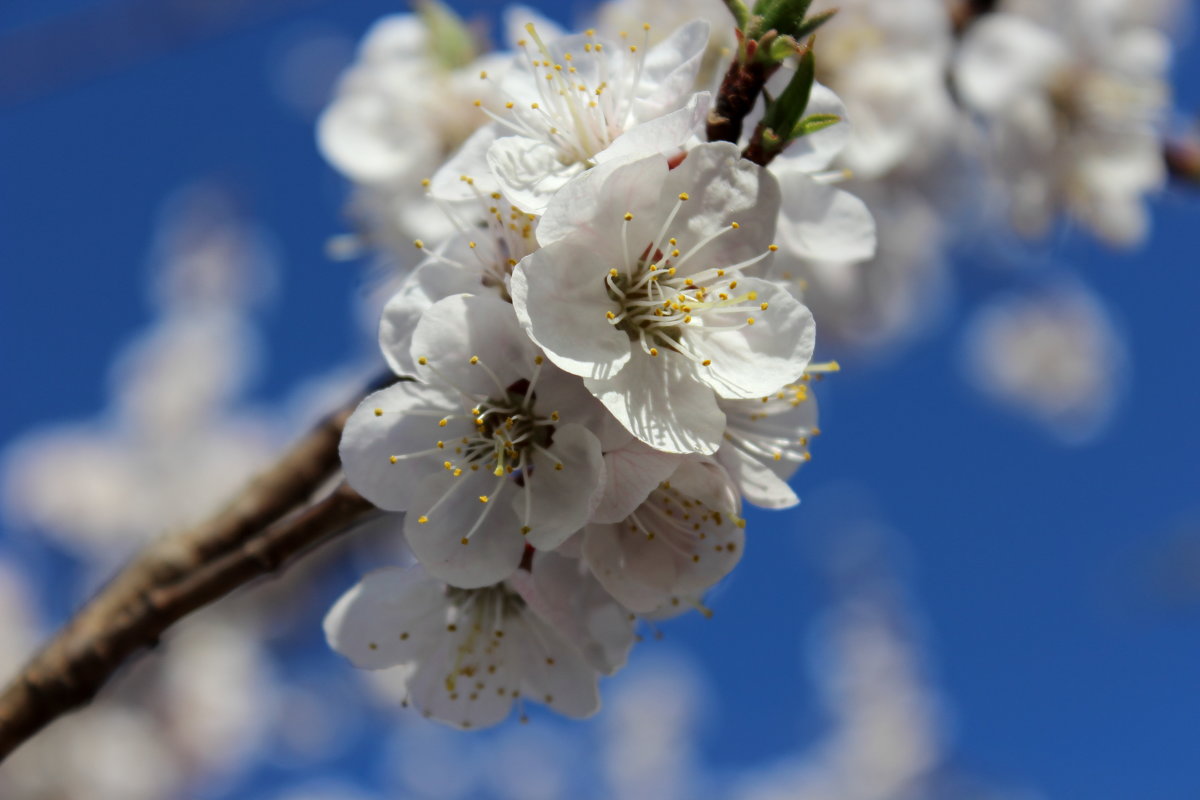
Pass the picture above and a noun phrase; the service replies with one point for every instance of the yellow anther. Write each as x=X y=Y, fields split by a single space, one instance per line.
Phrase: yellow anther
x=393 y=459
x=706 y=362
x=483 y=74
x=443 y=422
x=508 y=105
x=628 y=216
x=417 y=243
x=673 y=241
x=525 y=529
x=457 y=472
x=422 y=519
x=471 y=245
x=441 y=445
x=554 y=416
x=483 y=498
x=749 y=320
x=498 y=472
x=645 y=26
x=534 y=106
x=733 y=284
x=478 y=103
x=379 y=412
x=558 y=466
x=773 y=247
x=653 y=351
x=447 y=465
x=762 y=306
x=464 y=540
x=613 y=272
x=683 y=195
x=610 y=315
x=538 y=360
x=734 y=225
x=425 y=182
x=474 y=359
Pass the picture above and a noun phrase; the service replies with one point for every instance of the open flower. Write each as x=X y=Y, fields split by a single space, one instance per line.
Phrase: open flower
x=545 y=636
x=640 y=287
x=766 y=440
x=476 y=451
x=681 y=540
x=576 y=101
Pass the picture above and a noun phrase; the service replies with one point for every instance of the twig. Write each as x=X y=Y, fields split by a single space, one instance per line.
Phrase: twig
x=963 y=13
x=130 y=614
x=179 y=574
x=740 y=88
x=1182 y=157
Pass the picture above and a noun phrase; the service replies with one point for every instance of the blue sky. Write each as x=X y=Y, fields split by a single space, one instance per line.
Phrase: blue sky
x=1065 y=668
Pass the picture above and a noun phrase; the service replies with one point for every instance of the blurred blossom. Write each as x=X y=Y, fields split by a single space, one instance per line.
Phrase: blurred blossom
x=105 y=753
x=1052 y=355
x=649 y=732
x=1073 y=97
x=173 y=424
x=305 y=65
x=19 y=626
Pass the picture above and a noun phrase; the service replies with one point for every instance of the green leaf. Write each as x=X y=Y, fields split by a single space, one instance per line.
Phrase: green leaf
x=810 y=25
x=741 y=14
x=785 y=16
x=813 y=123
x=785 y=112
x=451 y=39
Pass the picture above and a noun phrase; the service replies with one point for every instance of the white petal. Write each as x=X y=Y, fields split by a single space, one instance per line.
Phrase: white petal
x=823 y=222
x=565 y=595
x=633 y=472
x=440 y=691
x=758 y=483
x=757 y=359
x=370 y=439
x=594 y=205
x=470 y=162
x=555 y=673
x=560 y=298
x=529 y=171
x=660 y=400
x=463 y=327
x=561 y=500
x=1004 y=56
x=723 y=188
x=495 y=548
x=669 y=71
x=637 y=574
x=390 y=617
x=666 y=134
x=428 y=283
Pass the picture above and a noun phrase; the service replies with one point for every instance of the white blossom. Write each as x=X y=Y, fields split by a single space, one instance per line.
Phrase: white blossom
x=477 y=451
x=641 y=288
x=474 y=652
x=686 y=536
x=576 y=101
x=1072 y=104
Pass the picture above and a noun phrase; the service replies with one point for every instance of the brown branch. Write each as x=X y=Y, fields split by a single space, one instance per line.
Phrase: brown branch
x=130 y=615
x=740 y=88
x=963 y=13
x=179 y=574
x=1182 y=157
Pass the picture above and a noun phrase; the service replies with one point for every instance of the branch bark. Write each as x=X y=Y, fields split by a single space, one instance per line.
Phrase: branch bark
x=180 y=574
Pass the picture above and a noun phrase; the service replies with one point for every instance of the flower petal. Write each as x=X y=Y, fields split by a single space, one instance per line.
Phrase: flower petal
x=390 y=617
x=556 y=502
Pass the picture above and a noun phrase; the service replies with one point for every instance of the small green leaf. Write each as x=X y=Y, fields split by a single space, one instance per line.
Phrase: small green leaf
x=785 y=111
x=810 y=25
x=813 y=123
x=741 y=14
x=452 y=42
x=785 y=16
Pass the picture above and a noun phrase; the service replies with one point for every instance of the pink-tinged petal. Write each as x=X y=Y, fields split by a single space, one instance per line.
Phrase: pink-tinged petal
x=475 y=343
x=556 y=502
x=823 y=222
x=560 y=298
x=660 y=401
x=757 y=359
x=634 y=471
x=396 y=421
x=495 y=544
x=390 y=617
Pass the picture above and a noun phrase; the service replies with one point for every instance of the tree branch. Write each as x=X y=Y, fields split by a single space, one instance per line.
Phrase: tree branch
x=181 y=573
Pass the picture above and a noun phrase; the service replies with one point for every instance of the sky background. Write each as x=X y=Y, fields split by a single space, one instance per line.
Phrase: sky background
x=1048 y=578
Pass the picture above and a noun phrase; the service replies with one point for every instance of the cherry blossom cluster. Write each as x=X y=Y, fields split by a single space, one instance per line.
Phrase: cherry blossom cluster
x=600 y=364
